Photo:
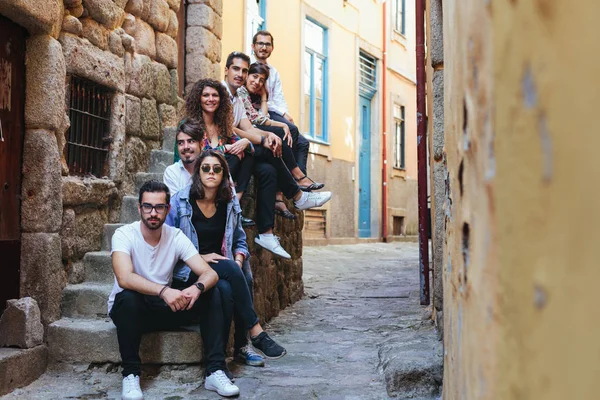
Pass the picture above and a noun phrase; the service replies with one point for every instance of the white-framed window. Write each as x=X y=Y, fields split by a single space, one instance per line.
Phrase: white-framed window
x=255 y=21
x=399 y=16
x=399 y=137
x=315 y=81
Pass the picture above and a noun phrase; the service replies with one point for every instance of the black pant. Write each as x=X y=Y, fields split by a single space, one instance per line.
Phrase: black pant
x=300 y=145
x=286 y=151
x=134 y=313
x=241 y=170
x=271 y=173
x=235 y=288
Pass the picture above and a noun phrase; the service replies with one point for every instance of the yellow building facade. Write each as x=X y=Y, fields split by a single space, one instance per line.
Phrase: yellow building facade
x=330 y=58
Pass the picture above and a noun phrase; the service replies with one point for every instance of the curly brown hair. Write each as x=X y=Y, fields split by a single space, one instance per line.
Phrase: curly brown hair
x=224 y=193
x=224 y=114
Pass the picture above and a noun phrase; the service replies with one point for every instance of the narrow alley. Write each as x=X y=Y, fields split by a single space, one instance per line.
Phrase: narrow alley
x=358 y=330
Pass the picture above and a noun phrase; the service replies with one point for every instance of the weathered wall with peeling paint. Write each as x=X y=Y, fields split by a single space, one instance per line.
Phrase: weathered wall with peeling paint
x=521 y=271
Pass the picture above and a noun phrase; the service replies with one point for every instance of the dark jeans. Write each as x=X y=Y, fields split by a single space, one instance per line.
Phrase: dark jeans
x=300 y=145
x=271 y=174
x=241 y=170
x=134 y=313
x=235 y=286
x=286 y=151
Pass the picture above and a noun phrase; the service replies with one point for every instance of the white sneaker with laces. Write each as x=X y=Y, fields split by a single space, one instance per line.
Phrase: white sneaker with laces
x=218 y=382
x=131 y=388
x=312 y=199
x=271 y=242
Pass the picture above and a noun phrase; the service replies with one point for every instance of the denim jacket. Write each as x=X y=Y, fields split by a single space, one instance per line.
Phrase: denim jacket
x=180 y=216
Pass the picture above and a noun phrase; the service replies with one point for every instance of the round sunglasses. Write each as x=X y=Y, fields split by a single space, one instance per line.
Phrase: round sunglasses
x=217 y=169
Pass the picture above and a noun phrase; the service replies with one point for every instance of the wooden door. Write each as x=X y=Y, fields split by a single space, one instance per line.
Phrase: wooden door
x=12 y=100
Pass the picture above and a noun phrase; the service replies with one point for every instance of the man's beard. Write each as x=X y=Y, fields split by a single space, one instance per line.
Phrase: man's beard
x=153 y=227
x=190 y=160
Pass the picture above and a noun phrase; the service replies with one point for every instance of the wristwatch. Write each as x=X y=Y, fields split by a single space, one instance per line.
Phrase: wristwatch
x=200 y=286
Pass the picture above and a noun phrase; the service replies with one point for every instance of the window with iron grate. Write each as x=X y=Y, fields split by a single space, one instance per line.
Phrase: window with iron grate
x=88 y=138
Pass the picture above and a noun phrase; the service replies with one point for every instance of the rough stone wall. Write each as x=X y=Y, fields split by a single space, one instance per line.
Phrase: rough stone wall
x=521 y=264
x=203 y=40
x=277 y=281
x=438 y=168
x=127 y=46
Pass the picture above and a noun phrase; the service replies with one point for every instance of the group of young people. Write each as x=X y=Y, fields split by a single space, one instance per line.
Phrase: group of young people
x=186 y=261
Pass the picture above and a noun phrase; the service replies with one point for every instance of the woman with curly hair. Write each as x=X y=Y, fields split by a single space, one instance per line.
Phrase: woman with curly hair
x=208 y=108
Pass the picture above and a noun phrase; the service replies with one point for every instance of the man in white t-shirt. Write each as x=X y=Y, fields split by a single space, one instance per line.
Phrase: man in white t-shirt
x=144 y=254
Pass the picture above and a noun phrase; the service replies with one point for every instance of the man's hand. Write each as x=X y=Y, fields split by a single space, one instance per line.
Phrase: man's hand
x=191 y=294
x=238 y=147
x=287 y=136
x=288 y=117
x=213 y=257
x=273 y=142
x=175 y=299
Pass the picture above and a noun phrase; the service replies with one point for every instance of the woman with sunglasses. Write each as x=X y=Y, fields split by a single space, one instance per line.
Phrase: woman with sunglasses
x=214 y=118
x=210 y=215
x=254 y=97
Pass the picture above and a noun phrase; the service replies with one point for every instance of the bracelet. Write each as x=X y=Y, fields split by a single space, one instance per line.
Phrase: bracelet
x=264 y=101
x=162 y=291
x=262 y=140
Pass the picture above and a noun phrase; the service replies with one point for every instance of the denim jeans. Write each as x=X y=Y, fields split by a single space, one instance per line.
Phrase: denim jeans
x=235 y=288
x=134 y=314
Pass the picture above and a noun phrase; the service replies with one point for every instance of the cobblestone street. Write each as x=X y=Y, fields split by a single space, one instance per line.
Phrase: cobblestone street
x=360 y=317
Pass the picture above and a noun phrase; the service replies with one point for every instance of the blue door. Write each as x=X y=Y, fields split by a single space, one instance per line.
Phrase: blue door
x=364 y=169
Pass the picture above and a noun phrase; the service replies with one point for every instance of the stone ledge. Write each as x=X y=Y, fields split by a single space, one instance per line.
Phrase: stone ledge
x=412 y=363
x=19 y=368
x=78 y=191
x=95 y=341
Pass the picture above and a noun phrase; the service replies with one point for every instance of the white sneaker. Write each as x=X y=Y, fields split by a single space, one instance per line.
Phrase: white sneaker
x=271 y=242
x=220 y=383
x=312 y=199
x=131 y=388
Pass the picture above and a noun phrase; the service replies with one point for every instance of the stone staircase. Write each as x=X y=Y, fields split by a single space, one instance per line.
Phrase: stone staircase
x=85 y=333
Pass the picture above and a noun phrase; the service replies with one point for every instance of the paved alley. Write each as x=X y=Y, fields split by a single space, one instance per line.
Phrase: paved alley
x=360 y=316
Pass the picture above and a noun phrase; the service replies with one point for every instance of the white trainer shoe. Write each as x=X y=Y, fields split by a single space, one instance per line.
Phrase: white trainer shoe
x=312 y=199
x=271 y=243
x=220 y=383
x=131 y=388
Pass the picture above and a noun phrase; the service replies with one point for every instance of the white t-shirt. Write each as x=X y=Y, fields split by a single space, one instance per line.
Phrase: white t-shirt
x=239 y=111
x=176 y=177
x=154 y=263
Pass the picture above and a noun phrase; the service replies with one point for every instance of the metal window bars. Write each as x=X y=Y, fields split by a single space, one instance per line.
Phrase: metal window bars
x=88 y=137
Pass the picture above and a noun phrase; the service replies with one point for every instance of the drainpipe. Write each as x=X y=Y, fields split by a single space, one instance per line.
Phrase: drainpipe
x=422 y=154
x=384 y=230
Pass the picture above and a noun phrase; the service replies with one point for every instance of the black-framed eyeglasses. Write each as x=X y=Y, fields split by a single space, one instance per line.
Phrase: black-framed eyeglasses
x=263 y=44
x=217 y=169
x=160 y=208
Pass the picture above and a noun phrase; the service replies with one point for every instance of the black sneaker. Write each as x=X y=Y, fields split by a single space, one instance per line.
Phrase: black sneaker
x=267 y=346
x=247 y=222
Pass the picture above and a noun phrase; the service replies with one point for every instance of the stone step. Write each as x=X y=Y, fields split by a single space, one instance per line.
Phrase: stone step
x=95 y=341
x=85 y=300
x=98 y=267
x=109 y=231
x=142 y=177
x=169 y=135
x=129 y=210
x=160 y=160
x=20 y=367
